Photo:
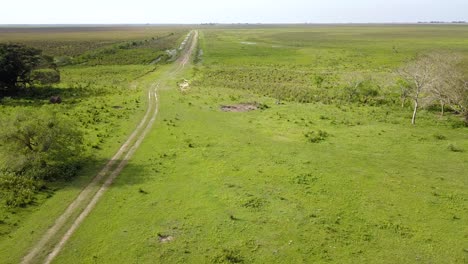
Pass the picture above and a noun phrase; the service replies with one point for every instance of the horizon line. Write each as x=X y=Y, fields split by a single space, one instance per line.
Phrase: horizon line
x=236 y=23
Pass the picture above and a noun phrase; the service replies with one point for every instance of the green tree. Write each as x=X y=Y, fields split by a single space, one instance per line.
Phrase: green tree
x=40 y=144
x=17 y=62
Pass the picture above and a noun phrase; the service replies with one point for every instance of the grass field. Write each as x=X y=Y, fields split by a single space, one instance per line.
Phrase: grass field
x=249 y=187
x=208 y=186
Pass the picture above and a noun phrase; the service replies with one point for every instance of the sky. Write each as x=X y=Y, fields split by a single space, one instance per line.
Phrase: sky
x=235 y=11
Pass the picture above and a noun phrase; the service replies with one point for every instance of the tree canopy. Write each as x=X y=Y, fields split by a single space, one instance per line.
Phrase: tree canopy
x=17 y=63
x=40 y=144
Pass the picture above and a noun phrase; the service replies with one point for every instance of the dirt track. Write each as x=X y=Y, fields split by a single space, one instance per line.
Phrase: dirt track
x=92 y=193
x=185 y=57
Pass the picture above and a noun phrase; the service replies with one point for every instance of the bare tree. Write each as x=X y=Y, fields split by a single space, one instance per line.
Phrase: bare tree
x=451 y=86
x=447 y=78
x=420 y=74
x=437 y=77
x=457 y=95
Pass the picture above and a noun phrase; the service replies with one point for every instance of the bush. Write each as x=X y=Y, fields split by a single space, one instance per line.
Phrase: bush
x=17 y=191
x=316 y=136
x=40 y=145
x=440 y=137
x=46 y=76
x=454 y=148
x=360 y=91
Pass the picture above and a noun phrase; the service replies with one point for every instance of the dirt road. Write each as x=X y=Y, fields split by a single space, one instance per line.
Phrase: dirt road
x=91 y=194
x=185 y=57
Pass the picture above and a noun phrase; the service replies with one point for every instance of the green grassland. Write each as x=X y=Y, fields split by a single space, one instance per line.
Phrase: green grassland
x=105 y=98
x=258 y=187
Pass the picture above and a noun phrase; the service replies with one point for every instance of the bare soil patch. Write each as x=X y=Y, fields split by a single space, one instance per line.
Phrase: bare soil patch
x=184 y=86
x=244 y=107
x=165 y=238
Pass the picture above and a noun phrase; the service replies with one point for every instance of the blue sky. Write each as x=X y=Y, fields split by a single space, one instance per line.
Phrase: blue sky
x=246 y=11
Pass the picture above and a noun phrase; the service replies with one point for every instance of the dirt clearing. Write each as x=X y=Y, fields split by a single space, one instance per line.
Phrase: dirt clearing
x=244 y=107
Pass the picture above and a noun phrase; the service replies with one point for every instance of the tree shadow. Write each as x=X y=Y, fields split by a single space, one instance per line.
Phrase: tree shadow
x=11 y=217
x=90 y=168
x=38 y=96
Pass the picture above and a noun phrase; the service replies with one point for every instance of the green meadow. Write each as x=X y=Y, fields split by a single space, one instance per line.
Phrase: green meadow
x=319 y=173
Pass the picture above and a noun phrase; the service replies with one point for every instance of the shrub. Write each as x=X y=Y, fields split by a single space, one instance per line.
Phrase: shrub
x=316 y=136
x=17 y=191
x=440 y=137
x=40 y=144
x=46 y=76
x=254 y=203
x=361 y=91
x=454 y=148
x=304 y=179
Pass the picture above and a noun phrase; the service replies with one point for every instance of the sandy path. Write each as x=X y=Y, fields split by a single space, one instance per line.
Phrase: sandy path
x=127 y=149
x=185 y=58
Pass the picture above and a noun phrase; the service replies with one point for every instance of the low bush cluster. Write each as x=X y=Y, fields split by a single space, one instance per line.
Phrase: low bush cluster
x=316 y=136
x=18 y=191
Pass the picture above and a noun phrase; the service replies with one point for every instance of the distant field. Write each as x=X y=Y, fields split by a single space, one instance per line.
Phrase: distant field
x=319 y=173
x=287 y=60
x=99 y=45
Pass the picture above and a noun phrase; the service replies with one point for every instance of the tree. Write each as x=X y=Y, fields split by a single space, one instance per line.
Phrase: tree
x=40 y=144
x=457 y=96
x=452 y=87
x=420 y=75
x=16 y=64
x=447 y=78
x=437 y=77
